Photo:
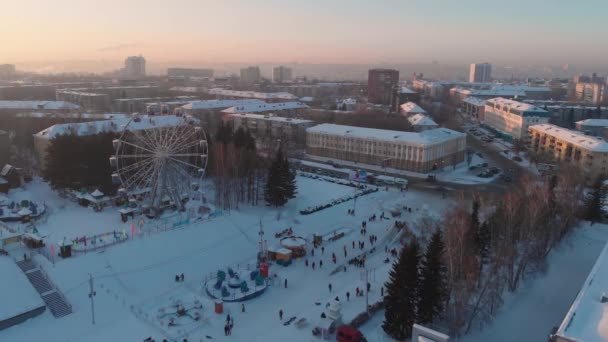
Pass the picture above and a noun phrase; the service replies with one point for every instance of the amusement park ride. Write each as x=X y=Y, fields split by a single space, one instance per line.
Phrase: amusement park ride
x=159 y=168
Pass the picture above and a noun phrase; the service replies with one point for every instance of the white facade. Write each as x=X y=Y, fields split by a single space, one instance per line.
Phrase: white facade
x=282 y=74
x=250 y=75
x=269 y=128
x=480 y=72
x=135 y=66
x=415 y=151
x=512 y=118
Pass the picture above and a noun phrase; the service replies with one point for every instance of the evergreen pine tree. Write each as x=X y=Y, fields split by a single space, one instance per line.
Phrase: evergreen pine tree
x=433 y=284
x=280 y=185
x=288 y=180
x=402 y=296
x=594 y=202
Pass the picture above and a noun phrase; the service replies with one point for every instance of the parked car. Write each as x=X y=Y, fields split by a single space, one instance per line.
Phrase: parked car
x=473 y=167
x=517 y=158
x=484 y=165
x=479 y=154
x=431 y=178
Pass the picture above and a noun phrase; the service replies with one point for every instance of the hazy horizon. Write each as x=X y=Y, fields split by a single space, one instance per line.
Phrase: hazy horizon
x=97 y=36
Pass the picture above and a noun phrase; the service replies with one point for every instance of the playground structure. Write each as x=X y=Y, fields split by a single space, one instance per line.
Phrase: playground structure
x=296 y=244
x=177 y=314
x=159 y=168
x=23 y=211
x=237 y=286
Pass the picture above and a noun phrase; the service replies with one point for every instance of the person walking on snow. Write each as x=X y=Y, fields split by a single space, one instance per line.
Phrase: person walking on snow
x=329 y=287
x=347 y=296
x=242 y=307
x=322 y=250
x=285 y=282
x=281 y=314
x=320 y=263
x=313 y=265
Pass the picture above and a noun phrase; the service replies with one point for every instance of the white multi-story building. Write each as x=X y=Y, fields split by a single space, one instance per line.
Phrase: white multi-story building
x=480 y=72
x=135 y=66
x=589 y=154
x=270 y=128
x=282 y=74
x=250 y=75
x=414 y=151
x=512 y=118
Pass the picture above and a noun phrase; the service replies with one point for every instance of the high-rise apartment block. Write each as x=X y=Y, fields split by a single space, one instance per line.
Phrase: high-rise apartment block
x=250 y=75
x=135 y=66
x=282 y=74
x=480 y=72
x=382 y=86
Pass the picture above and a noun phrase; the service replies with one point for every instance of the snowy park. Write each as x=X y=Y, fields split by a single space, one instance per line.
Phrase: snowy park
x=135 y=279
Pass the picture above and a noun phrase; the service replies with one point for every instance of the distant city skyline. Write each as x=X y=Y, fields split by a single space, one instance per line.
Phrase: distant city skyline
x=199 y=32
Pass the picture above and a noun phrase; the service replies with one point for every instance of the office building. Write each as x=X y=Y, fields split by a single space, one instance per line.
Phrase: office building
x=511 y=118
x=587 y=153
x=250 y=75
x=382 y=86
x=413 y=151
x=135 y=66
x=282 y=74
x=480 y=72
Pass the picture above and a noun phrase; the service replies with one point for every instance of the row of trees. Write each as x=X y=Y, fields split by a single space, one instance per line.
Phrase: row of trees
x=493 y=246
x=488 y=248
x=76 y=162
x=416 y=289
x=236 y=171
x=240 y=175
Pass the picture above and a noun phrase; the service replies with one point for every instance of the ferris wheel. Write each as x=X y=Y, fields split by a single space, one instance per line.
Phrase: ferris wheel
x=158 y=167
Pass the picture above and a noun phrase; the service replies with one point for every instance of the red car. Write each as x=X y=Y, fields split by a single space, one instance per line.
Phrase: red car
x=346 y=333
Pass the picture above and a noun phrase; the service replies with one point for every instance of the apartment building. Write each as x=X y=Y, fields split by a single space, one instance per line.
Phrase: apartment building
x=269 y=128
x=587 y=153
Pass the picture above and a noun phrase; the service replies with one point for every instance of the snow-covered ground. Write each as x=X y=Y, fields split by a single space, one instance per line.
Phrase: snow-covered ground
x=139 y=273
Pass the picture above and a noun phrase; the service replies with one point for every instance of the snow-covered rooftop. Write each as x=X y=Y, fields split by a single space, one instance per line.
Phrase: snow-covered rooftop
x=214 y=104
x=512 y=104
x=574 y=137
x=594 y=122
x=475 y=101
x=587 y=319
x=38 y=105
x=411 y=107
x=264 y=107
x=86 y=92
x=429 y=137
x=17 y=295
x=115 y=125
x=406 y=90
x=253 y=94
x=269 y=118
x=74 y=115
x=421 y=120
x=185 y=89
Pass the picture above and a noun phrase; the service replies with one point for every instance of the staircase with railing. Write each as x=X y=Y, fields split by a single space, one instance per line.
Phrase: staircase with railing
x=51 y=296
